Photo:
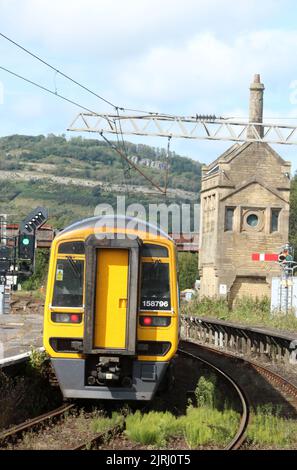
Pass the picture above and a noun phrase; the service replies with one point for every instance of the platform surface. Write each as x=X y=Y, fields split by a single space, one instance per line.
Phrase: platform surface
x=18 y=332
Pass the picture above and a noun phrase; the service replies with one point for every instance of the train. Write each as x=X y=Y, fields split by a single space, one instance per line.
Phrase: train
x=111 y=315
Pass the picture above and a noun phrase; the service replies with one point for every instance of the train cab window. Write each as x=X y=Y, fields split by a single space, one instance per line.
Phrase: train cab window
x=157 y=251
x=72 y=248
x=155 y=286
x=68 y=287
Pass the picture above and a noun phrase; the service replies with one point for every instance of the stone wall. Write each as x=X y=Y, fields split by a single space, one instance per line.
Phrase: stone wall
x=253 y=181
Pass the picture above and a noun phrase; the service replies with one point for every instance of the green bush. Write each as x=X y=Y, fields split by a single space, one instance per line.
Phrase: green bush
x=217 y=308
x=40 y=275
x=200 y=426
x=153 y=428
x=208 y=426
x=267 y=428
x=103 y=423
x=205 y=392
x=247 y=311
x=187 y=270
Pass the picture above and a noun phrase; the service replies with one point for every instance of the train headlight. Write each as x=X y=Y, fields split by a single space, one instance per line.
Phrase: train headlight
x=67 y=345
x=153 y=348
x=66 y=317
x=154 y=321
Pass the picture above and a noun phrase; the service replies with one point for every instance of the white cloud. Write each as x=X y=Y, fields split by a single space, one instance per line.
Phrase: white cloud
x=210 y=71
x=116 y=27
x=170 y=55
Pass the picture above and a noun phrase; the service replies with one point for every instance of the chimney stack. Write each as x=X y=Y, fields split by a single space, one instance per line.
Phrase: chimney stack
x=256 y=104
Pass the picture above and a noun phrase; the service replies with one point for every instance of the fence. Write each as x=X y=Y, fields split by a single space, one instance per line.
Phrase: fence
x=241 y=340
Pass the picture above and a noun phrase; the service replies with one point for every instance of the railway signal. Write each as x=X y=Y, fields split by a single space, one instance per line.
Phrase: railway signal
x=285 y=256
x=5 y=259
x=284 y=284
x=27 y=239
x=26 y=246
x=34 y=220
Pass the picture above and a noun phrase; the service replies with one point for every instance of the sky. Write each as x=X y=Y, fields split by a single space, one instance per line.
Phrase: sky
x=179 y=57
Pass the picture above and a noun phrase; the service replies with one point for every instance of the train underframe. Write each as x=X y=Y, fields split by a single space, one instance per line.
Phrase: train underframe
x=106 y=378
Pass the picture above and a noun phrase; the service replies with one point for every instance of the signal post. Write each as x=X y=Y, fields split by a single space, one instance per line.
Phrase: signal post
x=19 y=260
x=283 y=298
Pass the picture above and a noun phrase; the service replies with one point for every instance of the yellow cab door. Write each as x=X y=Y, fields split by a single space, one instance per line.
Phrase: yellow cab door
x=111 y=298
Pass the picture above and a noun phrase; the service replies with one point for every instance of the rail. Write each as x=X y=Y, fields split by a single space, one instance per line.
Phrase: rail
x=238 y=370
x=11 y=435
x=240 y=435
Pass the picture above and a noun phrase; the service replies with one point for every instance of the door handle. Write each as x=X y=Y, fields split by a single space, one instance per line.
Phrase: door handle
x=123 y=303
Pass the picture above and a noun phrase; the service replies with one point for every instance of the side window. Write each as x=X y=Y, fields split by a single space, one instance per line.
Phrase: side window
x=229 y=216
x=155 y=286
x=68 y=287
x=274 y=220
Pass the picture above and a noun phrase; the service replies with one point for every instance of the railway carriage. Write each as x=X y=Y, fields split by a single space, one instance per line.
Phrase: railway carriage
x=111 y=311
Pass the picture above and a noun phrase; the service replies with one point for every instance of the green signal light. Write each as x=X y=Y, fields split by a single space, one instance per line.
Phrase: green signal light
x=25 y=241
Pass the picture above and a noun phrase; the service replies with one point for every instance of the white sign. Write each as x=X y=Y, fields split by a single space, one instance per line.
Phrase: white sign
x=11 y=280
x=223 y=289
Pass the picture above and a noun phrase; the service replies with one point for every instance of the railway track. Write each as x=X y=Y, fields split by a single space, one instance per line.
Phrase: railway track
x=281 y=382
x=246 y=377
x=249 y=378
x=100 y=438
x=12 y=435
x=239 y=437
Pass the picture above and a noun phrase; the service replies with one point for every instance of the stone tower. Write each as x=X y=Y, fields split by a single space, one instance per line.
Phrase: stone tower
x=244 y=210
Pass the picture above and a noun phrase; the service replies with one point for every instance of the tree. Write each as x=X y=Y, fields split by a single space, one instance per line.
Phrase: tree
x=41 y=267
x=188 y=270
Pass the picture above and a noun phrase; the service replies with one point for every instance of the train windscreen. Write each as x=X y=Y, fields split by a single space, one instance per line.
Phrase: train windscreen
x=68 y=288
x=155 y=286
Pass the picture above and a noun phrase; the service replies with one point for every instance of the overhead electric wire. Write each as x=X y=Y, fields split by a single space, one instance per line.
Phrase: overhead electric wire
x=56 y=70
x=121 y=131
x=47 y=90
x=124 y=154
x=131 y=163
x=87 y=109
x=122 y=161
x=35 y=56
x=278 y=118
x=128 y=168
x=167 y=164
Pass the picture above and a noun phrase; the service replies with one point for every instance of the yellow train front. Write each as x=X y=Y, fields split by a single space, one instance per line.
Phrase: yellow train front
x=111 y=310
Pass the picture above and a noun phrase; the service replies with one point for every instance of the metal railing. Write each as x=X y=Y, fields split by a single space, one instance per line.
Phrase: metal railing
x=251 y=342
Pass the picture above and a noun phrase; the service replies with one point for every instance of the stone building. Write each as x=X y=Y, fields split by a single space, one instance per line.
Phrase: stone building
x=244 y=210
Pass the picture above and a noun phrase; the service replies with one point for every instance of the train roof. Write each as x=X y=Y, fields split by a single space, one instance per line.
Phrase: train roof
x=111 y=221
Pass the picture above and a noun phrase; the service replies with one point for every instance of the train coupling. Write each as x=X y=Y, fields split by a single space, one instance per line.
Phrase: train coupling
x=107 y=370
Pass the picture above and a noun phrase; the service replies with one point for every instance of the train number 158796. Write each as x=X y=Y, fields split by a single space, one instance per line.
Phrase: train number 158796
x=155 y=303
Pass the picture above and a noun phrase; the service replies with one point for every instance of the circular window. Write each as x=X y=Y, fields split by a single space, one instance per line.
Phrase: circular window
x=252 y=220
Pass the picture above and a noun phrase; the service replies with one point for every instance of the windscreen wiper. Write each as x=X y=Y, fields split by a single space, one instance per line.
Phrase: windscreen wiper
x=75 y=269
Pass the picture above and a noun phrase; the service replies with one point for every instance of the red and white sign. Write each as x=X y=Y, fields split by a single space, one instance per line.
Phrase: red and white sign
x=264 y=256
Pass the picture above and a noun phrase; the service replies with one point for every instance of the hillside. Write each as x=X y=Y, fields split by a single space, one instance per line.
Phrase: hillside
x=71 y=177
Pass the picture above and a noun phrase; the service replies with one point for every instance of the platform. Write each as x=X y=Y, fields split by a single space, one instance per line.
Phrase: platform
x=18 y=332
